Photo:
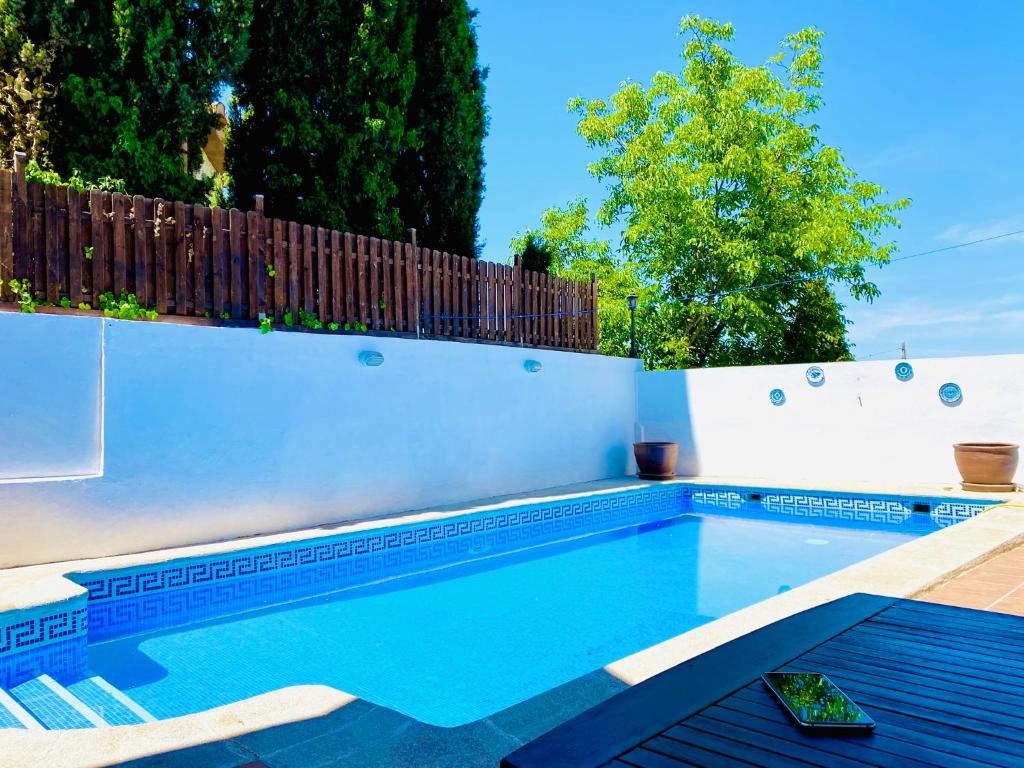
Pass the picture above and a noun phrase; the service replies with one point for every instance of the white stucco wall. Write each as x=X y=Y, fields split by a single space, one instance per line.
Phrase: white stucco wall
x=213 y=433
x=862 y=424
x=125 y=436
x=50 y=397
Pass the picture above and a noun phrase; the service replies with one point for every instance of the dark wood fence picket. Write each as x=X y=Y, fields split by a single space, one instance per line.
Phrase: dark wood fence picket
x=196 y=261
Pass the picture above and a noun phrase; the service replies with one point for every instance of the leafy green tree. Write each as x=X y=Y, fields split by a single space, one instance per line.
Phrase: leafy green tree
x=26 y=89
x=736 y=219
x=135 y=81
x=563 y=236
x=535 y=253
x=441 y=180
x=320 y=118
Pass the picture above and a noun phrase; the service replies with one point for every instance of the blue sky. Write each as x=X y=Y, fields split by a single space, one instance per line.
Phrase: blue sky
x=925 y=98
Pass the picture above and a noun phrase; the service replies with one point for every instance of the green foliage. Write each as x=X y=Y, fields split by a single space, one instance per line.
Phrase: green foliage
x=366 y=115
x=26 y=87
x=564 y=235
x=271 y=272
x=319 y=117
x=737 y=221
x=35 y=172
x=333 y=326
x=65 y=302
x=87 y=251
x=536 y=254
x=84 y=305
x=288 y=318
x=225 y=315
x=134 y=82
x=309 y=320
x=440 y=179
x=266 y=325
x=22 y=290
x=124 y=307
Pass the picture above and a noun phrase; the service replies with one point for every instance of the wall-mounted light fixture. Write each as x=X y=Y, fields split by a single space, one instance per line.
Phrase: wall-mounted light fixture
x=371 y=358
x=532 y=366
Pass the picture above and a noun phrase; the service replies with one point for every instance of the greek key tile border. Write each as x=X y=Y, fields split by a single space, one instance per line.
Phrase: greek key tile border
x=63 y=659
x=534 y=523
x=895 y=510
x=34 y=627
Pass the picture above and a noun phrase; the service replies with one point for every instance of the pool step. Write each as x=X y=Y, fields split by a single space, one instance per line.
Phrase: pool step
x=112 y=705
x=13 y=715
x=42 y=702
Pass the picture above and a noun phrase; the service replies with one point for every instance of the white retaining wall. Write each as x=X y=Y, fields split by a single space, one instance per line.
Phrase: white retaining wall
x=862 y=424
x=125 y=436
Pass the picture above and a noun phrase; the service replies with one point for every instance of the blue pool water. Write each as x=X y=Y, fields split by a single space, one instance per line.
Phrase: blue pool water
x=464 y=640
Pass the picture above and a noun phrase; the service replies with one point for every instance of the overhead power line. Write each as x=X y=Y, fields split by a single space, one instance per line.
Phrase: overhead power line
x=830 y=273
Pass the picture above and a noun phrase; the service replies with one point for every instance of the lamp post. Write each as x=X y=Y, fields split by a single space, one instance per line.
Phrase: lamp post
x=632 y=324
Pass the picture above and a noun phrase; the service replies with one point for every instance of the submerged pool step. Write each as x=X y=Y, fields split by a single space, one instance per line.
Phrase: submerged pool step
x=53 y=705
x=42 y=702
x=13 y=715
x=111 y=704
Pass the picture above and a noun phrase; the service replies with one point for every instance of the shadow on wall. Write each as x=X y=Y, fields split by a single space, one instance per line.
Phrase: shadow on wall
x=663 y=413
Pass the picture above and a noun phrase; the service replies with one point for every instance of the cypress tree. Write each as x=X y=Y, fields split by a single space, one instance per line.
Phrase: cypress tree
x=319 y=120
x=442 y=176
x=134 y=83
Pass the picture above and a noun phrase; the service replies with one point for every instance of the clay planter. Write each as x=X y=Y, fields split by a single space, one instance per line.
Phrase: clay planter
x=986 y=464
x=656 y=461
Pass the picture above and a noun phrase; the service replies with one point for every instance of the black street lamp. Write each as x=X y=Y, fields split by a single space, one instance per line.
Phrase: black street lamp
x=632 y=324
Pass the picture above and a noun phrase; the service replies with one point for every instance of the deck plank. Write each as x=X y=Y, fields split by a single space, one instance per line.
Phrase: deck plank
x=945 y=686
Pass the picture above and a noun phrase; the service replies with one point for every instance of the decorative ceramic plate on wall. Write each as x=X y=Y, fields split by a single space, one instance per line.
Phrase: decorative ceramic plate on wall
x=951 y=394
x=777 y=396
x=815 y=376
x=904 y=371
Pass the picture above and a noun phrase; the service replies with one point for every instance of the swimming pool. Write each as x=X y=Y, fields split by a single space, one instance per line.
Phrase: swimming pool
x=451 y=621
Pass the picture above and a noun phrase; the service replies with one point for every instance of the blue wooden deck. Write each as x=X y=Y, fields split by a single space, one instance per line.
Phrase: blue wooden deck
x=945 y=686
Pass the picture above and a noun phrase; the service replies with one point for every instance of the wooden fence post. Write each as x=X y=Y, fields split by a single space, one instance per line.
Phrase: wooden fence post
x=181 y=262
x=6 y=231
x=19 y=206
x=255 y=265
x=517 y=299
x=52 y=256
x=595 y=326
x=74 y=247
x=412 y=288
x=257 y=227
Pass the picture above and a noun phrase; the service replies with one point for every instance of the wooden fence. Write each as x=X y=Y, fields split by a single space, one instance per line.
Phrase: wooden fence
x=192 y=260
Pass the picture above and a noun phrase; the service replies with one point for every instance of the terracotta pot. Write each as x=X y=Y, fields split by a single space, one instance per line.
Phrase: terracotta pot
x=986 y=463
x=656 y=461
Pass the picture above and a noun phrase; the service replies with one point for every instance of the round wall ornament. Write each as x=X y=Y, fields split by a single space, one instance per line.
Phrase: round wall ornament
x=777 y=396
x=904 y=371
x=815 y=376
x=951 y=394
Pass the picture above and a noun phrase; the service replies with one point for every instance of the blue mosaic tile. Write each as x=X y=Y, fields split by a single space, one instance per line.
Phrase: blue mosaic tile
x=8 y=720
x=47 y=707
x=524 y=525
x=103 y=704
x=24 y=629
x=62 y=660
x=847 y=508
